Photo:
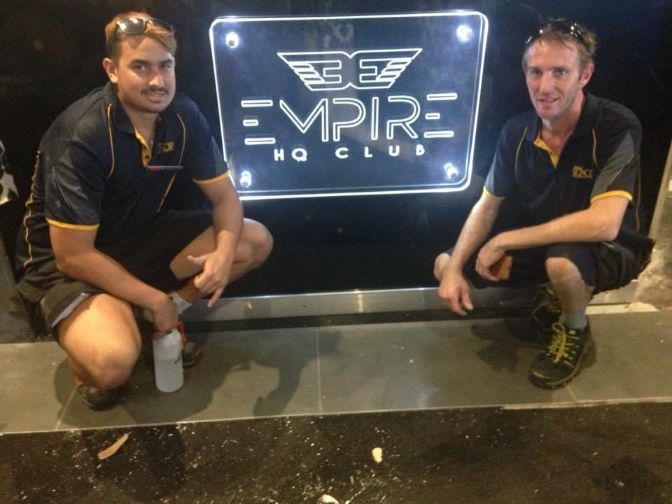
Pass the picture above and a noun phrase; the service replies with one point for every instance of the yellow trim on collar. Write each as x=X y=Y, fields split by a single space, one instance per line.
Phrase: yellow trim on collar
x=146 y=150
x=539 y=142
x=109 y=133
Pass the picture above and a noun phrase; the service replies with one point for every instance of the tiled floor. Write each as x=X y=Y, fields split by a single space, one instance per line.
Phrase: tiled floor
x=344 y=369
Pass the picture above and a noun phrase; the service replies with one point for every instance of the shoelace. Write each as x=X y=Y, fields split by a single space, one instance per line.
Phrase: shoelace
x=563 y=345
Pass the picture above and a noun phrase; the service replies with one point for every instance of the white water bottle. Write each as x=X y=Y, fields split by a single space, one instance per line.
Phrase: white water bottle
x=168 y=372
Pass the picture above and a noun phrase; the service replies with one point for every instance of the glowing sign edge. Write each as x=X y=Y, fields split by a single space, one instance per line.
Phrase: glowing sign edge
x=472 y=140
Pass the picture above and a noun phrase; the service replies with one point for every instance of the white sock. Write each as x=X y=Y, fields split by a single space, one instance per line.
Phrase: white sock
x=181 y=304
x=575 y=320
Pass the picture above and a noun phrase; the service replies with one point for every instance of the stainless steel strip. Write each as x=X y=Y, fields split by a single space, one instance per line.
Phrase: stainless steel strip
x=365 y=302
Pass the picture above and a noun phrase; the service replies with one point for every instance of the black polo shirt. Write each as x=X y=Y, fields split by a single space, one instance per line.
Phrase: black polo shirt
x=93 y=171
x=600 y=159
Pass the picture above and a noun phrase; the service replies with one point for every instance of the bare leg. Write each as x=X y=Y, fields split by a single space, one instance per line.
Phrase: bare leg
x=102 y=341
x=253 y=248
x=440 y=264
x=574 y=294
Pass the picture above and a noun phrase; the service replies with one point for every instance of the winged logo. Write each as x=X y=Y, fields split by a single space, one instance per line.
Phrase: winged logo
x=338 y=70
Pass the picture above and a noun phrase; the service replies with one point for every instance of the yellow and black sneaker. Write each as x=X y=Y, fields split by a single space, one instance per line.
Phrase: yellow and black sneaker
x=562 y=359
x=545 y=313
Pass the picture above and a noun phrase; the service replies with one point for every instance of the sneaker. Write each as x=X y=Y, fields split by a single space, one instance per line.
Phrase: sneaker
x=95 y=398
x=563 y=357
x=545 y=314
x=191 y=351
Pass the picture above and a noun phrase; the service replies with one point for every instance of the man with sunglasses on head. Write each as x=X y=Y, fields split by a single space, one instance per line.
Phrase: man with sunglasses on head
x=572 y=164
x=99 y=253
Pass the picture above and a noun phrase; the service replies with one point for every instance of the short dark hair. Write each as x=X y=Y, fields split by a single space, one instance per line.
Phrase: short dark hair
x=155 y=29
x=562 y=31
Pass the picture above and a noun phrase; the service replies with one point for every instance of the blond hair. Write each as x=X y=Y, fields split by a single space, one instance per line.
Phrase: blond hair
x=556 y=32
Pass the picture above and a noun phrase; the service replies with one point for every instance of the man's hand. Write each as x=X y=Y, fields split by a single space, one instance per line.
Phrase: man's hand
x=215 y=273
x=488 y=257
x=454 y=291
x=227 y=218
x=164 y=315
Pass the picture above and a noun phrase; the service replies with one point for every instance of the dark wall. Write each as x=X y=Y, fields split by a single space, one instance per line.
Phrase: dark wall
x=50 y=53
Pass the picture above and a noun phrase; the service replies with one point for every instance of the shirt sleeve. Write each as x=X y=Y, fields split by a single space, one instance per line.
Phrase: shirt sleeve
x=618 y=159
x=501 y=177
x=75 y=181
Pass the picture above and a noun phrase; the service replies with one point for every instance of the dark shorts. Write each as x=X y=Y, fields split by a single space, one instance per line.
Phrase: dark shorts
x=52 y=295
x=602 y=265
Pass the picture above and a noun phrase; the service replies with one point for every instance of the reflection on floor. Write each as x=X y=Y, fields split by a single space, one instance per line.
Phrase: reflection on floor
x=294 y=415
x=343 y=369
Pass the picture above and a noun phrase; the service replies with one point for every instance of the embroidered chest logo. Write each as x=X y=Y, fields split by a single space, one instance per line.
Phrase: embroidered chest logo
x=581 y=172
x=162 y=148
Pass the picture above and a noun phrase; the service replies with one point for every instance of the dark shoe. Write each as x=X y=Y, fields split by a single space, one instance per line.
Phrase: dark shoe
x=95 y=398
x=563 y=357
x=191 y=351
x=545 y=314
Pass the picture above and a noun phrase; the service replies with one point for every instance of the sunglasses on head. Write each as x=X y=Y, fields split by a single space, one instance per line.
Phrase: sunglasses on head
x=562 y=27
x=137 y=25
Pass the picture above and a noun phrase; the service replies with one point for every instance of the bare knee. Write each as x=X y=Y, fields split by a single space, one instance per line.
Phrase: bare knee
x=102 y=340
x=440 y=264
x=111 y=367
x=256 y=244
x=562 y=271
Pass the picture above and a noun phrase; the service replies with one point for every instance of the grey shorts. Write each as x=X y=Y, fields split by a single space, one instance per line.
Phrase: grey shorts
x=52 y=296
x=602 y=265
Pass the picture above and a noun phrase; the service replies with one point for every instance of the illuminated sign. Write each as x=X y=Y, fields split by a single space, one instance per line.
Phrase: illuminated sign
x=349 y=105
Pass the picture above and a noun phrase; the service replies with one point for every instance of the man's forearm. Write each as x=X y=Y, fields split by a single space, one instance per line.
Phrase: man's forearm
x=227 y=214
x=590 y=225
x=227 y=219
x=474 y=232
x=102 y=271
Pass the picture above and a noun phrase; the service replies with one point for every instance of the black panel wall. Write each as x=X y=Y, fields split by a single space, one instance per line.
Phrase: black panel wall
x=50 y=53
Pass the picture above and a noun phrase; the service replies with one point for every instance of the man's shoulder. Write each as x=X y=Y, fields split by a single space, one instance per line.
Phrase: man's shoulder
x=521 y=124
x=184 y=105
x=188 y=113
x=613 y=113
x=81 y=119
x=612 y=122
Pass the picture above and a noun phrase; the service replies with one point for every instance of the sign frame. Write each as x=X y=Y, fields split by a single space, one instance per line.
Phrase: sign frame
x=468 y=169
